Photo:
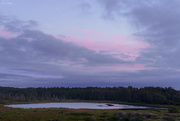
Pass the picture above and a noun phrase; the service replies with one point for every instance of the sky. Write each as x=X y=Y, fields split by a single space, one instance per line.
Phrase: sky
x=81 y=43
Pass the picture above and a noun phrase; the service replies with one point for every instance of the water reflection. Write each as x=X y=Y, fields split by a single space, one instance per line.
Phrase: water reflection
x=77 y=105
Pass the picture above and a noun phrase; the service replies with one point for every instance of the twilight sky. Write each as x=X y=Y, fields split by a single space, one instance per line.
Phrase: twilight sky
x=50 y=43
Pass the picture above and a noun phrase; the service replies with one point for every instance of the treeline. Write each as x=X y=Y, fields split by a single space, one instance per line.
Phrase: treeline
x=151 y=95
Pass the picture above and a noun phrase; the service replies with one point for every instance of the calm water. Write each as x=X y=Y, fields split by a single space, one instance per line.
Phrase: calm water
x=77 y=105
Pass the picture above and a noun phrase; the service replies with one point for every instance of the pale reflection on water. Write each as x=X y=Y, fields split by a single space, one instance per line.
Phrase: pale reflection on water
x=77 y=105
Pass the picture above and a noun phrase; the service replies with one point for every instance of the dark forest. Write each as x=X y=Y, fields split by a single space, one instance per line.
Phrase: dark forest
x=148 y=95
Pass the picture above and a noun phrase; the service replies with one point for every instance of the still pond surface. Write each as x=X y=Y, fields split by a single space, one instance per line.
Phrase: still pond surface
x=77 y=105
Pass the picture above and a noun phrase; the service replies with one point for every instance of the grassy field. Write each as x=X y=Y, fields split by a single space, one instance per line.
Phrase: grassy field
x=59 y=114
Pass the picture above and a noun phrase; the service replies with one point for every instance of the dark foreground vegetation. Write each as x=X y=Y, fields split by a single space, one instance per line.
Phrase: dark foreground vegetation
x=59 y=114
x=148 y=95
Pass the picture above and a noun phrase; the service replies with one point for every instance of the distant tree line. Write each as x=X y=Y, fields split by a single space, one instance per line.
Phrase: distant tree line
x=150 y=95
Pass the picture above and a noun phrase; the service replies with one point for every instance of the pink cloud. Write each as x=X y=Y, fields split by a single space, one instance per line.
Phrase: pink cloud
x=7 y=34
x=113 y=44
x=126 y=48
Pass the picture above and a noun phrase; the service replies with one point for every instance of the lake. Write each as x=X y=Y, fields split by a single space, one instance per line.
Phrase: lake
x=77 y=105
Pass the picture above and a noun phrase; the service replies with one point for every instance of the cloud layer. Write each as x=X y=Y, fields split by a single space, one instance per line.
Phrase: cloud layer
x=158 y=22
x=150 y=56
x=32 y=54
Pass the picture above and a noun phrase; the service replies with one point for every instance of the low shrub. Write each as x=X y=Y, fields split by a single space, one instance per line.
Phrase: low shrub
x=173 y=110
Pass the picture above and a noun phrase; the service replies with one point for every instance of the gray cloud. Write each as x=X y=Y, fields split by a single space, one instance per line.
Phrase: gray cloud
x=85 y=6
x=158 y=21
x=13 y=24
x=113 y=8
x=46 y=47
x=162 y=23
x=36 y=55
